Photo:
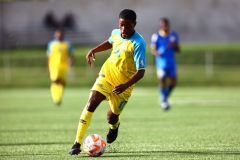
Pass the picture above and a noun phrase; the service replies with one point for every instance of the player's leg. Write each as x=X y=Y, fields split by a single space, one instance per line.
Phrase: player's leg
x=100 y=91
x=163 y=88
x=172 y=84
x=57 y=86
x=53 y=73
x=114 y=122
x=172 y=74
x=117 y=104
x=94 y=100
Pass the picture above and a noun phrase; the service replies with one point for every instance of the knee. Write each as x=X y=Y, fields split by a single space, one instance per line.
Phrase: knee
x=173 y=82
x=59 y=81
x=91 y=105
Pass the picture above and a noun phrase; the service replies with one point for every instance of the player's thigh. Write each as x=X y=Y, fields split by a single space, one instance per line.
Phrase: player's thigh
x=95 y=98
x=161 y=73
x=102 y=86
x=56 y=75
x=172 y=72
x=118 y=102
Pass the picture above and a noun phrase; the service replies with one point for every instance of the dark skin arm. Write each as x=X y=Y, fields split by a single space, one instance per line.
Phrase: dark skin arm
x=70 y=60
x=102 y=47
x=174 y=45
x=135 y=78
x=154 y=51
x=48 y=66
x=122 y=87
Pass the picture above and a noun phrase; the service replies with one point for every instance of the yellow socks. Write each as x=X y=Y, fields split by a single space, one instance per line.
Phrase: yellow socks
x=84 y=122
x=56 y=92
x=114 y=126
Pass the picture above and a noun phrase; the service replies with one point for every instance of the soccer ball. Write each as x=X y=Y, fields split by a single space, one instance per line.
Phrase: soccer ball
x=94 y=145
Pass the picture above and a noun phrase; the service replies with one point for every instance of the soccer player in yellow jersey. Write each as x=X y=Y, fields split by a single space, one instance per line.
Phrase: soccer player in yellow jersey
x=125 y=66
x=59 y=54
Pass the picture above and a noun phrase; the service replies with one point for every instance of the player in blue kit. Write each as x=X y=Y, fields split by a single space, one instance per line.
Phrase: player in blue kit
x=164 y=45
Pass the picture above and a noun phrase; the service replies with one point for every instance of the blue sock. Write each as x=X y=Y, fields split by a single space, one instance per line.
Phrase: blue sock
x=163 y=93
x=169 y=90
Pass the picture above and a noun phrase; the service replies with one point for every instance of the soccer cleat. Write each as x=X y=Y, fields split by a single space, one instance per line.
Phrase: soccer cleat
x=58 y=103
x=112 y=134
x=165 y=106
x=75 y=150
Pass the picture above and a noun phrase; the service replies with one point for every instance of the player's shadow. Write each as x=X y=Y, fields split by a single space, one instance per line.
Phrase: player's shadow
x=31 y=130
x=157 y=153
x=17 y=155
x=33 y=143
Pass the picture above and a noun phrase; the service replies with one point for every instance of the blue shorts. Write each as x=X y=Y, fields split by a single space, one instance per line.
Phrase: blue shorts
x=166 y=72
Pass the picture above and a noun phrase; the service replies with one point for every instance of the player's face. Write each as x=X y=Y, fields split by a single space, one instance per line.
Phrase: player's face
x=164 y=26
x=58 y=35
x=126 y=27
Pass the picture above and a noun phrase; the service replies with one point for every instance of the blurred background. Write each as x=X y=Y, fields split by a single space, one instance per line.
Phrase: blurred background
x=209 y=35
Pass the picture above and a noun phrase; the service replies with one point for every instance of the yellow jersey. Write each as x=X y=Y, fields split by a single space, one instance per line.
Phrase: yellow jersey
x=127 y=56
x=58 y=53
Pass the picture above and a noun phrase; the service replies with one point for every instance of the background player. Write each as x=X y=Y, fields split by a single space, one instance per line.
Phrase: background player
x=125 y=66
x=164 y=45
x=59 y=54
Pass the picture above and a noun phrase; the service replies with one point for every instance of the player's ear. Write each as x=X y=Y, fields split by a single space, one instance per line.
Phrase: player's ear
x=135 y=23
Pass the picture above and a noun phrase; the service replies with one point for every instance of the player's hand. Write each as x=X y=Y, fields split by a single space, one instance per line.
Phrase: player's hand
x=90 y=55
x=120 y=88
x=157 y=54
x=172 y=45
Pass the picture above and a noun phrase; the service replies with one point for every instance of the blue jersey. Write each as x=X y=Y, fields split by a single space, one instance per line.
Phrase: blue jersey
x=166 y=58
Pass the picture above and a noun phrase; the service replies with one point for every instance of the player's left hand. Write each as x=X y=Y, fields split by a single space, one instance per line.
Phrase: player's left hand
x=120 y=88
x=172 y=45
x=90 y=55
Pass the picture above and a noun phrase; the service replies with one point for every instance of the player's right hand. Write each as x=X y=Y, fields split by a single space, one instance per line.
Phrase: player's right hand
x=90 y=55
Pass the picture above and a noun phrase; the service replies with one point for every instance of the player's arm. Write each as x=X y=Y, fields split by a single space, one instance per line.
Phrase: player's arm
x=70 y=54
x=48 y=66
x=48 y=54
x=102 y=47
x=175 y=46
x=70 y=60
x=134 y=79
x=174 y=43
x=140 y=62
x=153 y=45
x=154 y=50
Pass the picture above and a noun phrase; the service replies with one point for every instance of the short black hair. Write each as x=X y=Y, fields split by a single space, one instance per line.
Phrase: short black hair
x=128 y=14
x=165 y=20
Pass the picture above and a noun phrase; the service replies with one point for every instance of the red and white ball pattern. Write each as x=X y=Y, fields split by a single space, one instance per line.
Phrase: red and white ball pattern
x=94 y=145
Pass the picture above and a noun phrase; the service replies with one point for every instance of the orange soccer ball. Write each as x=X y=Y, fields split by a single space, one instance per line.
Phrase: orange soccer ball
x=94 y=145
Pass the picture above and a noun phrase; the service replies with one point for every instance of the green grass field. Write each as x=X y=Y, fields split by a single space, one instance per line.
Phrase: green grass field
x=21 y=64
x=203 y=123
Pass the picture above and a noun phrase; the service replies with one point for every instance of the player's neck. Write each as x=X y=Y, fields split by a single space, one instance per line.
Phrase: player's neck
x=130 y=35
x=163 y=33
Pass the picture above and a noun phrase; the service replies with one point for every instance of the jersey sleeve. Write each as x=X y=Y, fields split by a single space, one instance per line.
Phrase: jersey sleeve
x=49 y=48
x=110 y=40
x=154 y=39
x=70 y=49
x=174 y=37
x=140 y=56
